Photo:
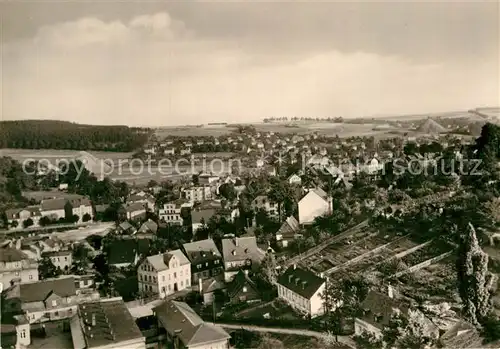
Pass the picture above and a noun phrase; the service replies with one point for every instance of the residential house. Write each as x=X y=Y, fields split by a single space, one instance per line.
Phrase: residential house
x=61 y=259
x=288 y=231
x=302 y=290
x=198 y=193
x=126 y=228
x=135 y=211
x=206 y=260
x=200 y=218
x=148 y=229
x=314 y=204
x=47 y=300
x=17 y=216
x=51 y=244
x=164 y=274
x=15 y=332
x=150 y=150
x=207 y=179
x=169 y=151
x=240 y=253
x=171 y=212
x=185 y=151
x=207 y=288
x=378 y=309
x=185 y=329
x=242 y=289
x=123 y=253
x=57 y=208
x=262 y=202
x=16 y=267
x=294 y=179
x=147 y=200
x=105 y=324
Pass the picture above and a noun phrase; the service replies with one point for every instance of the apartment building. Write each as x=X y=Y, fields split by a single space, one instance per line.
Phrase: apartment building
x=61 y=259
x=314 y=204
x=16 y=267
x=171 y=212
x=17 y=216
x=198 y=193
x=164 y=274
x=206 y=260
x=302 y=290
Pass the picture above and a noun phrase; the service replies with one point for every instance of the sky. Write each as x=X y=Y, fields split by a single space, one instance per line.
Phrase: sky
x=152 y=63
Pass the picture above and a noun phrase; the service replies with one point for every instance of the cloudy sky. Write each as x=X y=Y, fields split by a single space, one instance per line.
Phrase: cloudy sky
x=191 y=62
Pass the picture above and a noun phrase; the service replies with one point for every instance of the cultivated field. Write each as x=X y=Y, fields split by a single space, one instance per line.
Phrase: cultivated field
x=53 y=154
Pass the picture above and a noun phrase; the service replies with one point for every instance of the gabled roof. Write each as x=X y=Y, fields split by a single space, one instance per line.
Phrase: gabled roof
x=40 y=290
x=160 y=261
x=289 y=227
x=148 y=227
x=301 y=281
x=240 y=280
x=383 y=306
x=135 y=206
x=242 y=248
x=179 y=319
x=9 y=254
x=202 y=250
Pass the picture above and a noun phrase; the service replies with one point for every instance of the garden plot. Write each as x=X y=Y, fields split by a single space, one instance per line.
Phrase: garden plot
x=426 y=253
x=436 y=281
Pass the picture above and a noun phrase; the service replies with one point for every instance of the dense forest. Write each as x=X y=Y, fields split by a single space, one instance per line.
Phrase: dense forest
x=49 y=134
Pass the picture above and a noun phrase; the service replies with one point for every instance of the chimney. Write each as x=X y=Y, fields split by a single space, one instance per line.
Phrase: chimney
x=390 y=291
x=294 y=266
x=236 y=241
x=200 y=285
x=297 y=281
x=290 y=277
x=93 y=320
x=304 y=283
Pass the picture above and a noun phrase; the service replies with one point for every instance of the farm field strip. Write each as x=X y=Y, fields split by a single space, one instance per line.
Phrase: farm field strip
x=424 y=254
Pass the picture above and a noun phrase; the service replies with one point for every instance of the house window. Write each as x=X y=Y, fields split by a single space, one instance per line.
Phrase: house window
x=54 y=303
x=23 y=334
x=182 y=283
x=175 y=275
x=70 y=311
x=198 y=266
x=187 y=282
x=216 y=261
x=206 y=264
x=163 y=278
x=56 y=313
x=182 y=272
x=65 y=258
x=31 y=277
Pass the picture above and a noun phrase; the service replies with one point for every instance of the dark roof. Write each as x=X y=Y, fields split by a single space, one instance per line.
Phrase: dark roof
x=301 y=281
x=135 y=206
x=40 y=290
x=201 y=251
x=178 y=318
x=382 y=306
x=206 y=214
x=289 y=227
x=113 y=323
x=240 y=280
x=9 y=254
x=122 y=251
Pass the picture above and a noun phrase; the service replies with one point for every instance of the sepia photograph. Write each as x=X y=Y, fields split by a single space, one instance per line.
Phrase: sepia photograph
x=237 y=174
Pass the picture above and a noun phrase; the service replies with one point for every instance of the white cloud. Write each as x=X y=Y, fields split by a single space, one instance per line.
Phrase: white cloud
x=151 y=70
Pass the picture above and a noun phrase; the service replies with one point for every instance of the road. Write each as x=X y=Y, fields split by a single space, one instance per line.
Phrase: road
x=294 y=331
x=324 y=244
x=40 y=229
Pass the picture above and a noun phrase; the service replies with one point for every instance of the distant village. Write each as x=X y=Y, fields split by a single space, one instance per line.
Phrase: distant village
x=313 y=233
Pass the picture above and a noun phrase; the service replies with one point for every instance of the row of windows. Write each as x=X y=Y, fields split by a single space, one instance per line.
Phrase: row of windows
x=293 y=297
x=54 y=259
x=199 y=266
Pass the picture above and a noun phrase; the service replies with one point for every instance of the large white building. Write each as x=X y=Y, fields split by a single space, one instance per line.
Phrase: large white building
x=16 y=267
x=171 y=212
x=314 y=204
x=302 y=290
x=198 y=194
x=164 y=274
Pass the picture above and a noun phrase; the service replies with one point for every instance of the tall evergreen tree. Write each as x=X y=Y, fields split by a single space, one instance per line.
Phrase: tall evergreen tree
x=474 y=280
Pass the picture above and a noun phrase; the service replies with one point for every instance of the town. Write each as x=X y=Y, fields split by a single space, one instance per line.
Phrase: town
x=308 y=240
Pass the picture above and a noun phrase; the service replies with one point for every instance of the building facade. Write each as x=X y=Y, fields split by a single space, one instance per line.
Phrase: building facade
x=164 y=274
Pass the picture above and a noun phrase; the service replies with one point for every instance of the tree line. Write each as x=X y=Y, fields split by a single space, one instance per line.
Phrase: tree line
x=50 y=134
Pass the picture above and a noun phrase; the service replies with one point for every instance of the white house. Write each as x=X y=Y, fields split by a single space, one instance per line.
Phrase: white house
x=164 y=274
x=171 y=212
x=314 y=204
x=262 y=202
x=294 y=179
x=302 y=290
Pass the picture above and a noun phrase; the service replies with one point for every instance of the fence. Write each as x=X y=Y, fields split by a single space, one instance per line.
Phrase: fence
x=423 y=264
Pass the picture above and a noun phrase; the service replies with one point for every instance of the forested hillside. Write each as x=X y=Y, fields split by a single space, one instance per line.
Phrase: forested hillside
x=49 y=134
